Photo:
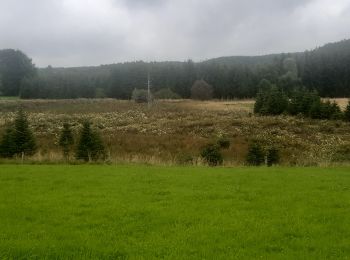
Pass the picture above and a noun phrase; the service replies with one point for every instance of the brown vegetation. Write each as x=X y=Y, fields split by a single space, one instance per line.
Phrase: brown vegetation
x=175 y=131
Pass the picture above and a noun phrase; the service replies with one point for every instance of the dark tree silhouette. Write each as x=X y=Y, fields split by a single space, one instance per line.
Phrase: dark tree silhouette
x=255 y=156
x=14 y=67
x=66 y=140
x=90 y=145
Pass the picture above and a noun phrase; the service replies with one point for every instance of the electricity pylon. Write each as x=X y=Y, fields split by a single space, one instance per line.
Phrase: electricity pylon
x=149 y=98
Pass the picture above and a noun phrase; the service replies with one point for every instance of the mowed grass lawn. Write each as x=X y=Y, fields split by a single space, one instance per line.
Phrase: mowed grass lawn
x=141 y=212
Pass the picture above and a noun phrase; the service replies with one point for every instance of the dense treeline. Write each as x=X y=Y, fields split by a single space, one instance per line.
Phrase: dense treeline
x=272 y=100
x=325 y=69
x=14 y=67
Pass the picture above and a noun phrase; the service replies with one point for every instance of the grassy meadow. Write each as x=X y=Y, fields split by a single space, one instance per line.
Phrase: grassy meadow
x=143 y=212
x=174 y=132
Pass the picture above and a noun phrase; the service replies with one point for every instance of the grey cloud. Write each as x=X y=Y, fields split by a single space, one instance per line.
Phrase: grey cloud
x=92 y=32
x=145 y=4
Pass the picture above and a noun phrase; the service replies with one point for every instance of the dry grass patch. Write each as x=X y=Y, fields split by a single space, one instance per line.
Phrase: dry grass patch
x=179 y=129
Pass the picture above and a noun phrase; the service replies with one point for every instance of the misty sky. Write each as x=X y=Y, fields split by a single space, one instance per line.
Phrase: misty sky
x=94 y=32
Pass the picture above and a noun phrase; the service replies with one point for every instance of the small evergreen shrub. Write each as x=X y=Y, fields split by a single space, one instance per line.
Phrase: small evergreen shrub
x=264 y=87
x=212 y=156
x=270 y=101
x=342 y=154
x=347 y=112
x=23 y=137
x=223 y=143
x=18 y=139
x=90 y=145
x=272 y=156
x=301 y=102
x=276 y=103
x=66 y=140
x=256 y=155
x=7 y=145
x=325 y=110
x=259 y=101
x=316 y=110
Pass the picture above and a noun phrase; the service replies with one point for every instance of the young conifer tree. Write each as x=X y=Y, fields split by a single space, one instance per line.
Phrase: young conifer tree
x=7 y=145
x=211 y=154
x=90 y=145
x=23 y=138
x=256 y=155
x=272 y=156
x=66 y=140
x=347 y=113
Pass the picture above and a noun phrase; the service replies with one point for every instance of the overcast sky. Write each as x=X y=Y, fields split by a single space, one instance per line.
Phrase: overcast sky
x=94 y=32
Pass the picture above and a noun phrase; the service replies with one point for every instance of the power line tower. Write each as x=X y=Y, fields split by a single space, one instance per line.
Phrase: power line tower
x=149 y=98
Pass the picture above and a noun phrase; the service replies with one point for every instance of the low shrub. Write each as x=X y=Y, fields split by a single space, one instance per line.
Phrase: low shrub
x=223 y=143
x=66 y=140
x=347 y=112
x=166 y=93
x=256 y=155
x=140 y=95
x=18 y=139
x=212 y=156
x=272 y=156
x=342 y=154
x=184 y=159
x=90 y=146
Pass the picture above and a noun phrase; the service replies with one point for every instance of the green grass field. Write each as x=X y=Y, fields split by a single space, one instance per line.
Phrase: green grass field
x=140 y=212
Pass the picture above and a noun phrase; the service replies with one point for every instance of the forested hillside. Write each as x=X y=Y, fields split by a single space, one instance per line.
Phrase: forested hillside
x=325 y=69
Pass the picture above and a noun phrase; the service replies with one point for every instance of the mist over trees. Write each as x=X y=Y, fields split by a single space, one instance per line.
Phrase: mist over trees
x=201 y=90
x=325 y=70
x=14 y=67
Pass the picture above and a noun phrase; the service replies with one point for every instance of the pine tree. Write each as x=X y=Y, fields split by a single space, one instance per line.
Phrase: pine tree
x=259 y=102
x=23 y=138
x=255 y=156
x=277 y=102
x=90 y=146
x=7 y=145
x=316 y=110
x=272 y=156
x=309 y=98
x=336 y=112
x=295 y=104
x=347 y=113
x=264 y=89
x=66 y=140
x=211 y=154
